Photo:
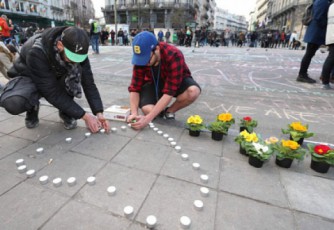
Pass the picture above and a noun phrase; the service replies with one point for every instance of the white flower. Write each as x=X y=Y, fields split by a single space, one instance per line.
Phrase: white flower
x=260 y=148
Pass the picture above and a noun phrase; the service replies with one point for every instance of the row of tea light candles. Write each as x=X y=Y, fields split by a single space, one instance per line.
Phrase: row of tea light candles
x=151 y=220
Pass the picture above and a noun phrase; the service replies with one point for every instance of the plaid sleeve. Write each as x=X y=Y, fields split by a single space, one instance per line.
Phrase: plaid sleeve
x=138 y=78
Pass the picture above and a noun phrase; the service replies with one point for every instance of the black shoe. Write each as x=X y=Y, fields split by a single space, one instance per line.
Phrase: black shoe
x=32 y=120
x=167 y=115
x=69 y=122
x=305 y=78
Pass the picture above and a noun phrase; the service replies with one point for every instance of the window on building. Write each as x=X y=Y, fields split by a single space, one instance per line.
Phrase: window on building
x=176 y=1
x=147 y=2
x=4 y=4
x=32 y=8
x=19 y=6
x=134 y=2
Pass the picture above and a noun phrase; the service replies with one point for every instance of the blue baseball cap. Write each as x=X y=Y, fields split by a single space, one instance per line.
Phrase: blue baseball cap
x=142 y=46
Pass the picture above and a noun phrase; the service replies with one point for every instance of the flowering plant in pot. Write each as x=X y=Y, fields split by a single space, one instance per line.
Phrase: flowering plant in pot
x=243 y=138
x=287 y=151
x=297 y=132
x=218 y=129
x=258 y=152
x=247 y=123
x=322 y=157
x=227 y=120
x=195 y=125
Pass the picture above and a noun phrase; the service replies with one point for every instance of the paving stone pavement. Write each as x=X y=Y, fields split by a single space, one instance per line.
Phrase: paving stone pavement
x=151 y=176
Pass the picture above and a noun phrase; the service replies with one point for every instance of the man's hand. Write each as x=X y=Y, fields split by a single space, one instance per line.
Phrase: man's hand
x=131 y=118
x=141 y=122
x=105 y=124
x=94 y=124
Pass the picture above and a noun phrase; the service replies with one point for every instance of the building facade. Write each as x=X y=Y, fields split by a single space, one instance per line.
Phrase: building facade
x=47 y=13
x=226 y=21
x=261 y=12
x=286 y=15
x=149 y=14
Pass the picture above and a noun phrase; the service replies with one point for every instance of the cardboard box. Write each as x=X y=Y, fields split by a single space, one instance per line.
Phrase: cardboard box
x=117 y=113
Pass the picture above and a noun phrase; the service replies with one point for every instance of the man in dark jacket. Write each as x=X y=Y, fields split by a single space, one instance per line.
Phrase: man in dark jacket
x=55 y=65
x=314 y=37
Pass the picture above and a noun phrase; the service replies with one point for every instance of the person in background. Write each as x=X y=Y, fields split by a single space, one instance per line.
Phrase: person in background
x=314 y=37
x=160 y=36
x=159 y=74
x=94 y=36
x=55 y=65
x=120 y=36
x=7 y=57
x=329 y=62
x=112 y=37
x=167 y=36
x=5 y=27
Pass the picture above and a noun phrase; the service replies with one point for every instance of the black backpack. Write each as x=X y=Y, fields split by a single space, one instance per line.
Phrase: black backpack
x=307 y=15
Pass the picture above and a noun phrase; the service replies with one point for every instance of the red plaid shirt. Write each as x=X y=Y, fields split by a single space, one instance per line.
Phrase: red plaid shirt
x=173 y=70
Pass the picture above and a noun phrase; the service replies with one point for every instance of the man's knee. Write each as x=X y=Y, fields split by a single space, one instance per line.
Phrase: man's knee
x=193 y=92
x=15 y=105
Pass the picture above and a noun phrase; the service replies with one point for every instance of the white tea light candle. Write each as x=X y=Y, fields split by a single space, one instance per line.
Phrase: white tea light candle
x=57 y=182
x=44 y=179
x=128 y=211
x=204 y=178
x=196 y=166
x=71 y=181
x=185 y=222
x=198 y=205
x=111 y=190
x=19 y=162
x=22 y=168
x=151 y=221
x=204 y=191
x=91 y=180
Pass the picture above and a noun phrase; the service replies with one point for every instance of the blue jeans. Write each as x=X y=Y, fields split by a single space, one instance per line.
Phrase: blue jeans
x=95 y=43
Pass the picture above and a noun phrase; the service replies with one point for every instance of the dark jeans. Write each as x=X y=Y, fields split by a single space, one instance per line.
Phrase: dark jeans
x=310 y=52
x=328 y=65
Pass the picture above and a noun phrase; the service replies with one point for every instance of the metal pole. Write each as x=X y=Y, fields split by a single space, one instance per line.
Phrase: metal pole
x=115 y=13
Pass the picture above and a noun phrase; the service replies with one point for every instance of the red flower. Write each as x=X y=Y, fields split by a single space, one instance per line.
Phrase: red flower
x=247 y=119
x=321 y=149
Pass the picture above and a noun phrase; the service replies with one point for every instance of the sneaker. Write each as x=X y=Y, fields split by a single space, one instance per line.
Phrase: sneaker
x=69 y=122
x=168 y=115
x=326 y=86
x=32 y=120
x=305 y=78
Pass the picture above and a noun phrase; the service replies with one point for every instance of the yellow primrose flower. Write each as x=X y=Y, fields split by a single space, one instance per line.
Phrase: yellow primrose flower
x=225 y=117
x=244 y=133
x=252 y=138
x=198 y=120
x=190 y=120
x=291 y=144
x=298 y=126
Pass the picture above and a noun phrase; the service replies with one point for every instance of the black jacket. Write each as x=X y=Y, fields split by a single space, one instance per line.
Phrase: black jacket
x=40 y=65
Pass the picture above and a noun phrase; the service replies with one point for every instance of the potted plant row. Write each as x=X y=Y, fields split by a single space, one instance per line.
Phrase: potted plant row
x=218 y=128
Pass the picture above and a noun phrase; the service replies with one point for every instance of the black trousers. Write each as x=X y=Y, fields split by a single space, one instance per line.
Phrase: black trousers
x=311 y=49
x=328 y=65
